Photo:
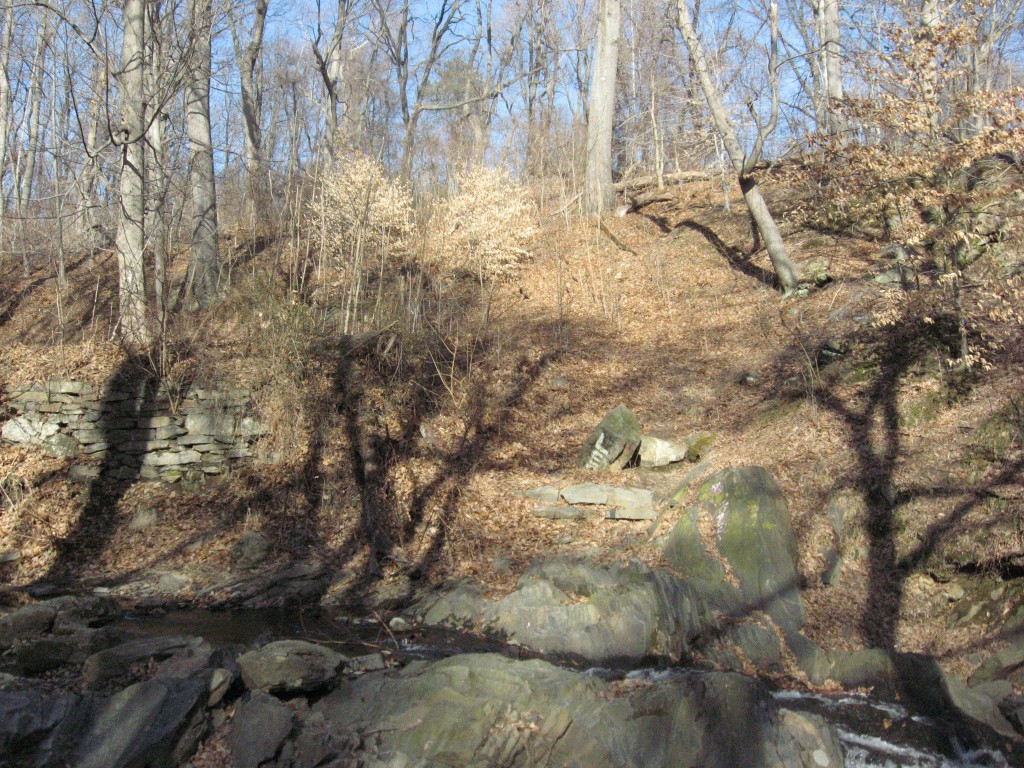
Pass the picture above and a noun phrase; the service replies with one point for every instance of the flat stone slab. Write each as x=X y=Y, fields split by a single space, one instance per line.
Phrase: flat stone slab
x=554 y=512
x=586 y=493
x=630 y=497
x=631 y=513
x=546 y=494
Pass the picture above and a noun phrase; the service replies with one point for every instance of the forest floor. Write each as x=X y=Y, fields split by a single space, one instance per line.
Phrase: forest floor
x=678 y=322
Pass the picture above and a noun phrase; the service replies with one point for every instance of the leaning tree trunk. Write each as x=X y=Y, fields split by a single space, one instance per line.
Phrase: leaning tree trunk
x=132 y=214
x=743 y=164
x=204 y=263
x=600 y=191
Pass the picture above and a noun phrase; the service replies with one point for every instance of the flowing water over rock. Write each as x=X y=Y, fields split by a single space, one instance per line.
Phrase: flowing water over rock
x=871 y=732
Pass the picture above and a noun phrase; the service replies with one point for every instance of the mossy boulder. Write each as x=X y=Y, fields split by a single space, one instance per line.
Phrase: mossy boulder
x=754 y=534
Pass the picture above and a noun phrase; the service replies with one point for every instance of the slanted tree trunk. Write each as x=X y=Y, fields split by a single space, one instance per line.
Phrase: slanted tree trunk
x=204 y=261
x=743 y=163
x=130 y=241
x=599 y=195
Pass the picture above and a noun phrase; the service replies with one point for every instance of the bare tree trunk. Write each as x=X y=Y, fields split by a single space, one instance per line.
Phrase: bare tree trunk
x=91 y=169
x=251 y=80
x=928 y=78
x=204 y=262
x=827 y=17
x=157 y=224
x=742 y=163
x=6 y=103
x=130 y=241
x=35 y=107
x=599 y=194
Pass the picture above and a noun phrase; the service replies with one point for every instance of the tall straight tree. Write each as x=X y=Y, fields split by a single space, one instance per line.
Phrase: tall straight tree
x=599 y=195
x=6 y=102
x=249 y=55
x=131 y=220
x=744 y=163
x=826 y=16
x=204 y=262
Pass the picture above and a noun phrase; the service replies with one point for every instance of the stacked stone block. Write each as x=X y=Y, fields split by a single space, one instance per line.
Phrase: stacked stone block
x=134 y=432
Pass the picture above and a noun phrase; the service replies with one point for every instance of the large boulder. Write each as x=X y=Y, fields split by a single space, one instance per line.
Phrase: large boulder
x=115 y=664
x=755 y=536
x=35 y=726
x=27 y=622
x=574 y=606
x=484 y=710
x=156 y=724
x=258 y=729
x=290 y=667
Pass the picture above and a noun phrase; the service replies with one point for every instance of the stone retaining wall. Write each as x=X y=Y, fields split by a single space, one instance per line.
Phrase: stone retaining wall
x=133 y=432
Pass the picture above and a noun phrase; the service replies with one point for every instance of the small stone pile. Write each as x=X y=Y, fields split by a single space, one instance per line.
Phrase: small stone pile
x=135 y=432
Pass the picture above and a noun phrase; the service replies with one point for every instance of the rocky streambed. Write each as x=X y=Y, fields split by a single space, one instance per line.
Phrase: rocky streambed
x=585 y=663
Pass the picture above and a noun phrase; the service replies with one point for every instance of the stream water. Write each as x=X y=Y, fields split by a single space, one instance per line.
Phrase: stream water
x=874 y=733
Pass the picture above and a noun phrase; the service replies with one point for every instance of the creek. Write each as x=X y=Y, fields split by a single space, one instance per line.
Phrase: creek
x=872 y=732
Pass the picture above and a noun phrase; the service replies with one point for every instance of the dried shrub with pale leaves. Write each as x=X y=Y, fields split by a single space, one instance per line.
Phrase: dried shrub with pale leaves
x=360 y=214
x=484 y=228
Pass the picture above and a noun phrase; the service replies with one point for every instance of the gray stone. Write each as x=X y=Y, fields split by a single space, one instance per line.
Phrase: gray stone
x=978 y=704
x=26 y=623
x=251 y=427
x=22 y=429
x=171 y=458
x=601 y=612
x=613 y=443
x=220 y=681
x=557 y=512
x=755 y=535
x=84 y=471
x=833 y=570
x=9 y=556
x=585 y=493
x=630 y=497
x=115 y=664
x=61 y=446
x=487 y=710
x=156 y=724
x=546 y=494
x=32 y=723
x=258 y=729
x=173 y=583
x=213 y=424
x=143 y=520
x=33 y=657
x=659 y=452
x=685 y=551
x=631 y=513
x=1001 y=665
x=251 y=549
x=459 y=606
x=290 y=667
x=699 y=444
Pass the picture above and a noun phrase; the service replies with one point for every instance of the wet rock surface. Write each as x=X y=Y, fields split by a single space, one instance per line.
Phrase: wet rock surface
x=560 y=681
